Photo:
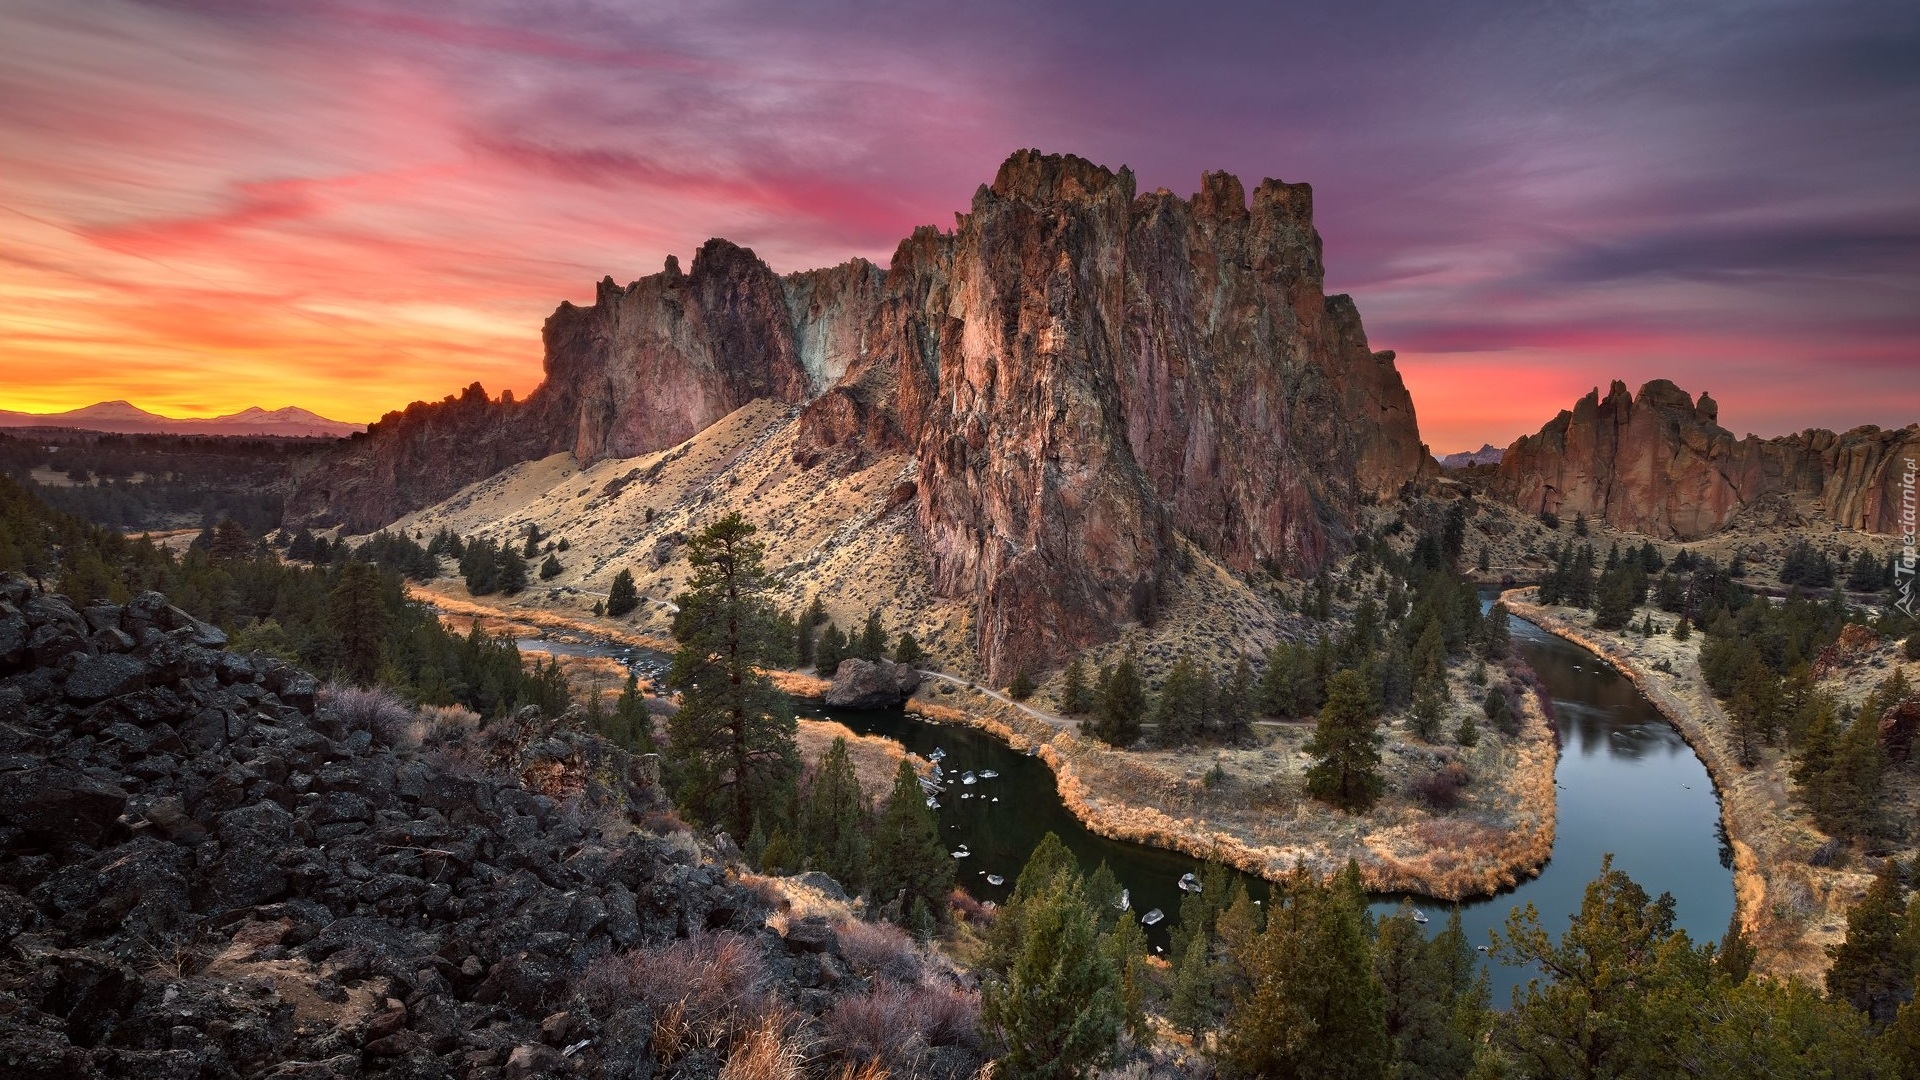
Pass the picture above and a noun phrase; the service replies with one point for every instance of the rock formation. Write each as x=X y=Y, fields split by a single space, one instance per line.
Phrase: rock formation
x=1081 y=373
x=206 y=872
x=1660 y=463
x=871 y=684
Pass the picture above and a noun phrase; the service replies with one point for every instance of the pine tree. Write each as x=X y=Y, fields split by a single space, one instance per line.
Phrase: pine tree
x=1496 y=640
x=513 y=572
x=1122 y=704
x=1191 y=1009
x=1058 y=1011
x=550 y=569
x=907 y=650
x=230 y=541
x=622 y=596
x=1427 y=710
x=872 y=643
x=1682 y=630
x=1873 y=968
x=905 y=860
x=834 y=821
x=1234 y=705
x=831 y=649
x=357 y=617
x=1310 y=971
x=1346 y=747
x=1179 y=714
x=1075 y=698
x=1734 y=962
x=1022 y=686
x=733 y=733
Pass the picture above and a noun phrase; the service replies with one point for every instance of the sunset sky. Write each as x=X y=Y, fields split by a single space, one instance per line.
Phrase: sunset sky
x=350 y=204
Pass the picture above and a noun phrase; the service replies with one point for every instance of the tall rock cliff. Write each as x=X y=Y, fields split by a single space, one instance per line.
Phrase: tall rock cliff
x=1080 y=371
x=1660 y=463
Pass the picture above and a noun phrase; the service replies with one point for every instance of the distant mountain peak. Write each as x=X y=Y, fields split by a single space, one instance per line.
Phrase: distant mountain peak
x=121 y=417
x=1488 y=454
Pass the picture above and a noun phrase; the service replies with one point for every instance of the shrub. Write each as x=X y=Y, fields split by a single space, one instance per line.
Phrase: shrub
x=443 y=724
x=895 y=1026
x=767 y=1052
x=375 y=711
x=880 y=948
x=1438 y=790
x=715 y=982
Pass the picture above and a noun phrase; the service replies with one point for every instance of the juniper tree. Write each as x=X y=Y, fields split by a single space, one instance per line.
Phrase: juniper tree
x=1233 y=705
x=905 y=860
x=1058 y=1010
x=1122 y=702
x=830 y=650
x=622 y=596
x=733 y=733
x=833 y=821
x=1075 y=697
x=1346 y=747
x=550 y=569
x=907 y=650
x=1310 y=970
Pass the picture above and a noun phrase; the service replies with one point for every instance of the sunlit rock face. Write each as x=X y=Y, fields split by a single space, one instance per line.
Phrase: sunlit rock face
x=1660 y=463
x=1081 y=373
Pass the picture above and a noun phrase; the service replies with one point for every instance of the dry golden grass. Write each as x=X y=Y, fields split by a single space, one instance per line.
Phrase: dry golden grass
x=1791 y=910
x=799 y=684
x=875 y=759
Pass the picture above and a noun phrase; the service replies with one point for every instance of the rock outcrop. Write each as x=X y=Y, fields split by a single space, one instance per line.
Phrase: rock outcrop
x=1082 y=372
x=1660 y=463
x=871 y=684
x=209 y=873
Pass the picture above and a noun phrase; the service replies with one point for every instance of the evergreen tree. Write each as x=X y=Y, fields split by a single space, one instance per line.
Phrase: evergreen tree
x=230 y=541
x=1125 y=947
x=629 y=726
x=1059 y=1010
x=622 y=596
x=834 y=821
x=872 y=644
x=1346 y=747
x=1180 y=714
x=1734 y=962
x=357 y=616
x=1075 y=698
x=907 y=650
x=1311 y=1005
x=1279 y=693
x=1122 y=704
x=733 y=733
x=1598 y=1015
x=1682 y=630
x=1496 y=640
x=1022 y=686
x=1873 y=969
x=1233 y=705
x=1191 y=1009
x=831 y=649
x=550 y=569
x=1427 y=712
x=512 y=573
x=905 y=860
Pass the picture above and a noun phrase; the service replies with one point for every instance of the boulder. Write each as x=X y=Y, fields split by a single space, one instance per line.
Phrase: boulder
x=54 y=802
x=1898 y=726
x=100 y=677
x=871 y=684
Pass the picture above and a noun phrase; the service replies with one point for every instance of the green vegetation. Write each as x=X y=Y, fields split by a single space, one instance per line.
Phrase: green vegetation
x=732 y=735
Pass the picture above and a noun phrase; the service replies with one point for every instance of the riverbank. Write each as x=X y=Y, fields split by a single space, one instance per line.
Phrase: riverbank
x=1245 y=807
x=1789 y=909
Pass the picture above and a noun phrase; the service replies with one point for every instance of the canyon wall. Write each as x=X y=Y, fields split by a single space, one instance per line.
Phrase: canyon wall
x=1660 y=463
x=1080 y=371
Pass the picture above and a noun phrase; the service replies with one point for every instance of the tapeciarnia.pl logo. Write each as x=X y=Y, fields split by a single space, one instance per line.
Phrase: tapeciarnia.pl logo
x=1904 y=567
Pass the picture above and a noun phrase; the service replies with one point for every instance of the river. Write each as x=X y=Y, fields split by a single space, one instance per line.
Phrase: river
x=1628 y=784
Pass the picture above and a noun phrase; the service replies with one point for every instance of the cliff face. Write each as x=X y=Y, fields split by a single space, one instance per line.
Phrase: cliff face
x=1079 y=371
x=643 y=368
x=1661 y=464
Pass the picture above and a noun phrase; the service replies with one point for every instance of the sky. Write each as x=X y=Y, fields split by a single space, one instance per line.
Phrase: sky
x=351 y=204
